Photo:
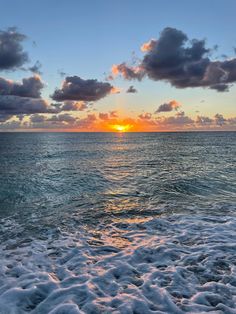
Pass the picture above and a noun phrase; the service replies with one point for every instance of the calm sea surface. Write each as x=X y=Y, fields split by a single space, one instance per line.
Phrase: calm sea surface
x=69 y=185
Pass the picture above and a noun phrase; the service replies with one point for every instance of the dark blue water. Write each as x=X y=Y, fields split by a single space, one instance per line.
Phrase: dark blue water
x=51 y=179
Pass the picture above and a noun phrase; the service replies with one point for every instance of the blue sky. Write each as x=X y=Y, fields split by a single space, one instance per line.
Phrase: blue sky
x=85 y=38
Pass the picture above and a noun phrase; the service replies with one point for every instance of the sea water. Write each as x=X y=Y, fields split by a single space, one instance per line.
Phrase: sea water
x=128 y=223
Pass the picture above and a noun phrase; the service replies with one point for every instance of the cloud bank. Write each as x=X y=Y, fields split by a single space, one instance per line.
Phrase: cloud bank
x=172 y=58
x=182 y=62
x=30 y=87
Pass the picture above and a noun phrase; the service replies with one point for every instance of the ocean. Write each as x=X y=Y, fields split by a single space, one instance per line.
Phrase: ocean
x=129 y=223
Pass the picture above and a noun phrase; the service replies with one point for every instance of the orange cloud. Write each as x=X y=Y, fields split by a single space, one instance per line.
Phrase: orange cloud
x=103 y=116
x=113 y=114
x=111 y=122
x=148 y=45
x=145 y=116
x=128 y=72
x=115 y=69
x=115 y=90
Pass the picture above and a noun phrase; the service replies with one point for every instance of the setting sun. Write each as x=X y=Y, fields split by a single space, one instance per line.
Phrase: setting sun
x=121 y=128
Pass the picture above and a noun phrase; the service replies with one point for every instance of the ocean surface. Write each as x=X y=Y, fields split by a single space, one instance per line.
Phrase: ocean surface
x=129 y=223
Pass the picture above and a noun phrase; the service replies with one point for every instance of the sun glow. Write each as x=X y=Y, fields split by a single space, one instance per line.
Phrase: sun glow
x=121 y=127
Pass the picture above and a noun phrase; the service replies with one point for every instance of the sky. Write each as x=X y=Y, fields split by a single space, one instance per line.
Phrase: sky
x=101 y=65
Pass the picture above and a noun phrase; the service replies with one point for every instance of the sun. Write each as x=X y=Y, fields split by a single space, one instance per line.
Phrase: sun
x=121 y=127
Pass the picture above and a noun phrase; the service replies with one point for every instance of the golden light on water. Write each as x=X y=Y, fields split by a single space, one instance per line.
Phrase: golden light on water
x=121 y=127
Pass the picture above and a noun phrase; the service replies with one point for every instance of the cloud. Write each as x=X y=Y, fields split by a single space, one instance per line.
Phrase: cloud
x=37 y=118
x=11 y=125
x=167 y=107
x=103 y=116
x=36 y=68
x=131 y=89
x=30 y=87
x=181 y=62
x=4 y=117
x=128 y=72
x=12 y=55
x=145 y=116
x=232 y=121
x=59 y=121
x=15 y=105
x=87 y=122
x=106 y=122
x=113 y=114
x=25 y=98
x=202 y=120
x=220 y=87
x=65 y=117
x=148 y=45
x=219 y=119
x=177 y=120
x=74 y=106
x=107 y=116
x=115 y=90
x=78 y=89
x=61 y=73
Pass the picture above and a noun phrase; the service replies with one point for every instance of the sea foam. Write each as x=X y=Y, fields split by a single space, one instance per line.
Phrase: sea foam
x=172 y=264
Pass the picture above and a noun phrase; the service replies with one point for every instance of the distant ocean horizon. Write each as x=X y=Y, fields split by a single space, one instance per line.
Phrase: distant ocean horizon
x=117 y=132
x=105 y=222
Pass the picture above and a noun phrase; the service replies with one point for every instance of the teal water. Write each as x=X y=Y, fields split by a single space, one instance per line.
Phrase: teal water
x=118 y=222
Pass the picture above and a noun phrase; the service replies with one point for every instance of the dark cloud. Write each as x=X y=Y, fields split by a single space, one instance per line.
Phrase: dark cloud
x=149 y=45
x=167 y=107
x=128 y=72
x=220 y=87
x=176 y=120
x=10 y=125
x=4 y=117
x=60 y=121
x=103 y=116
x=15 y=105
x=131 y=89
x=74 y=106
x=108 y=116
x=171 y=60
x=63 y=118
x=181 y=62
x=87 y=123
x=24 y=98
x=61 y=73
x=36 y=68
x=12 y=55
x=30 y=87
x=75 y=88
x=203 y=120
x=37 y=118
x=219 y=119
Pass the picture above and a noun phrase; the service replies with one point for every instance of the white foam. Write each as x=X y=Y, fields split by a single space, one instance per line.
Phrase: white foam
x=171 y=265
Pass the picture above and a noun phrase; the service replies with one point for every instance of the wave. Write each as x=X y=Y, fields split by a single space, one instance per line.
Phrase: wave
x=172 y=264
